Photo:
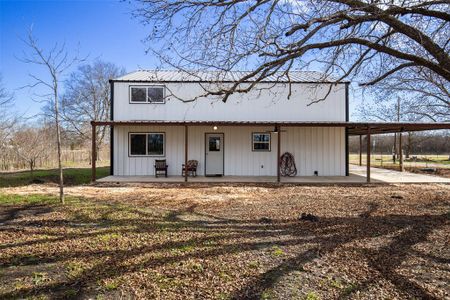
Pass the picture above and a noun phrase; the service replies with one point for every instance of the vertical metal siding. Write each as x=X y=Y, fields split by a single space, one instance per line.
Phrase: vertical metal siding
x=270 y=103
x=314 y=148
x=174 y=151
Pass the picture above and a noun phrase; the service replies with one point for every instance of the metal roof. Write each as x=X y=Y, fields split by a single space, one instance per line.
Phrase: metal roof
x=217 y=76
x=354 y=128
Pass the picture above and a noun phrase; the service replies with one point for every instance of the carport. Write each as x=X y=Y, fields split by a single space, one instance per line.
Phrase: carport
x=368 y=129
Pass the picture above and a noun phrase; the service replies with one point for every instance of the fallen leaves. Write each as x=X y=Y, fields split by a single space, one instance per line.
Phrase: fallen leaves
x=222 y=242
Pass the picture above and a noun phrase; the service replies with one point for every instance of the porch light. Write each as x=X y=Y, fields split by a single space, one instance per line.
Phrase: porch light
x=215 y=128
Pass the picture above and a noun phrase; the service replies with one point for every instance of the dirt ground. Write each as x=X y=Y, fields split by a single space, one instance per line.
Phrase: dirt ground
x=443 y=172
x=436 y=171
x=228 y=242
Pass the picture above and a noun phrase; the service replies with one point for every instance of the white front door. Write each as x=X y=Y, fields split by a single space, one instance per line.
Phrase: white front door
x=214 y=154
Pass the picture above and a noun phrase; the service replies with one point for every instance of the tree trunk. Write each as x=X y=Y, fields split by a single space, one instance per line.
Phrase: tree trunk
x=58 y=142
x=32 y=170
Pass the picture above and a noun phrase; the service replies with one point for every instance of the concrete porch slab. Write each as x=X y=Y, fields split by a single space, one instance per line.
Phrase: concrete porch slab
x=392 y=176
x=357 y=175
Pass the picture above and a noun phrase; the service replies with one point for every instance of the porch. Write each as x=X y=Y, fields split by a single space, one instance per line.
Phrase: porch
x=357 y=175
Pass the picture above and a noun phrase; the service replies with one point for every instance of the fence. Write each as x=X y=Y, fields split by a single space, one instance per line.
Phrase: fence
x=10 y=161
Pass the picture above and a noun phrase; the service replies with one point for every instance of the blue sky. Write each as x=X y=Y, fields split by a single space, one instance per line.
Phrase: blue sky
x=101 y=29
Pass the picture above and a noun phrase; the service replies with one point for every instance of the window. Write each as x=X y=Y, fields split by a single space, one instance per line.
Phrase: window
x=147 y=94
x=138 y=94
x=146 y=144
x=260 y=141
x=214 y=143
x=155 y=94
x=155 y=144
x=137 y=144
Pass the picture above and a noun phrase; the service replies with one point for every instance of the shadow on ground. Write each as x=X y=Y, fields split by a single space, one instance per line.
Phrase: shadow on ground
x=136 y=241
x=72 y=176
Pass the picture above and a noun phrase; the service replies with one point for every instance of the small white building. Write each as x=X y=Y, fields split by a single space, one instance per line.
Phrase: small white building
x=163 y=115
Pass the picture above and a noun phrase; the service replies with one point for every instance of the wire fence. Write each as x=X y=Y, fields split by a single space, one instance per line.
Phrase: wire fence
x=413 y=161
x=10 y=161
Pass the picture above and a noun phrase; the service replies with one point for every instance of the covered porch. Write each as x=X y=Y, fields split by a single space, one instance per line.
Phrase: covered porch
x=355 y=175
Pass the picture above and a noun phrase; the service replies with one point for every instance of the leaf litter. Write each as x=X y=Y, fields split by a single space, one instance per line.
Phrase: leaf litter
x=208 y=242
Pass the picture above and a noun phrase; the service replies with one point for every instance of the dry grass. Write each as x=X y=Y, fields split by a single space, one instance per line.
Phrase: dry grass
x=202 y=242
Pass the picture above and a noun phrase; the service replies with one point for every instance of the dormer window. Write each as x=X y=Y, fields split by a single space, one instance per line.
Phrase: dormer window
x=147 y=94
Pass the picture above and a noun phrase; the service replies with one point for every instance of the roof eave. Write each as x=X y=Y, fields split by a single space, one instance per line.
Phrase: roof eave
x=226 y=81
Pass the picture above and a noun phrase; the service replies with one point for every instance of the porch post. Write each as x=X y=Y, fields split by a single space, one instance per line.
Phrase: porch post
x=277 y=129
x=94 y=153
x=185 y=153
x=368 y=155
x=360 y=150
x=400 y=150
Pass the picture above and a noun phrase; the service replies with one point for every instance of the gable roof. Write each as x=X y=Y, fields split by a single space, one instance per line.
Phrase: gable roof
x=216 y=76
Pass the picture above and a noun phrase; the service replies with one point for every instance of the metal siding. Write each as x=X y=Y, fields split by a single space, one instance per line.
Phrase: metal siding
x=336 y=146
x=258 y=105
x=314 y=148
x=174 y=150
x=342 y=143
x=321 y=147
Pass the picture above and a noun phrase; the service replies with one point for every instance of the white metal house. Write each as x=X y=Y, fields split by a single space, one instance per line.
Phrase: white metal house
x=162 y=116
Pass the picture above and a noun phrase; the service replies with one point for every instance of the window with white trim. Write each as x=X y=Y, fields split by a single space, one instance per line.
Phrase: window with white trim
x=260 y=141
x=147 y=94
x=138 y=94
x=147 y=144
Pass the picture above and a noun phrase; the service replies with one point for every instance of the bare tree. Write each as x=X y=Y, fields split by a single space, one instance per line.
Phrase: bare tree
x=87 y=98
x=357 y=39
x=388 y=111
x=425 y=96
x=56 y=62
x=391 y=110
x=30 y=144
x=5 y=96
x=7 y=118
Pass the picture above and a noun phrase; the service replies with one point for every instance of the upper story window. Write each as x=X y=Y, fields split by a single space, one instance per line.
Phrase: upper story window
x=138 y=94
x=147 y=94
x=260 y=141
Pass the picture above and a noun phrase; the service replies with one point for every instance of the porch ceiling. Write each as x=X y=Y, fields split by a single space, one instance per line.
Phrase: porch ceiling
x=354 y=128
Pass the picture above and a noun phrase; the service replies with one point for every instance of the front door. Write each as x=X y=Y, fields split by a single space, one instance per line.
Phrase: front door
x=214 y=154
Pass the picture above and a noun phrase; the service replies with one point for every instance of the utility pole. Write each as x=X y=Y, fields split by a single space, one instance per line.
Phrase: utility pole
x=398 y=120
x=396 y=153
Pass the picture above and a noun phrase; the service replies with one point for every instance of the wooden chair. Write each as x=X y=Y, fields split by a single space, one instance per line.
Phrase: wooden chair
x=160 y=166
x=191 y=168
